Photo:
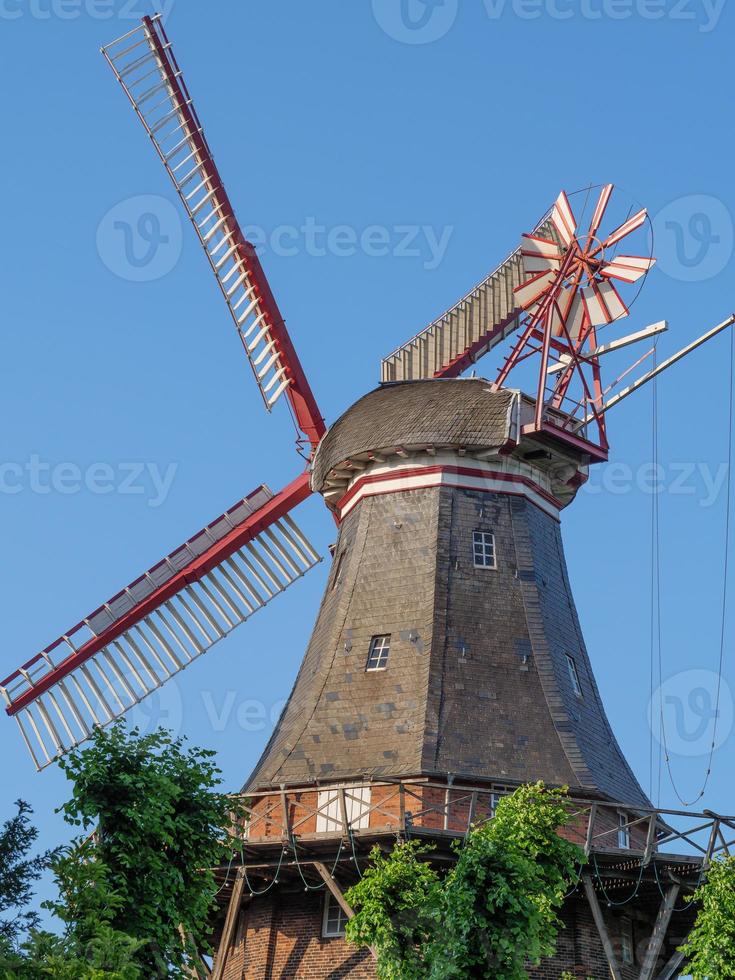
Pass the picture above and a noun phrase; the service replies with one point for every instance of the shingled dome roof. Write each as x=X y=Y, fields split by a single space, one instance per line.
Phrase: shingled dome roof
x=457 y=412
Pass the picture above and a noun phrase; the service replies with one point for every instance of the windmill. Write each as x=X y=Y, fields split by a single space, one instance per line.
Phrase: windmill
x=447 y=664
x=549 y=297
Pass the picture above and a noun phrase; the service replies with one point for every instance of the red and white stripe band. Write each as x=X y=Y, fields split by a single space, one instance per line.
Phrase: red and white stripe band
x=467 y=474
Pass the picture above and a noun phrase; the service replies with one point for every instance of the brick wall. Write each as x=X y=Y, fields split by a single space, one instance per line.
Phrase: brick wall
x=279 y=937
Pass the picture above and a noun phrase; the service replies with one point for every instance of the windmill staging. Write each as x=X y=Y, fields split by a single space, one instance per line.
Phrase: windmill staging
x=447 y=665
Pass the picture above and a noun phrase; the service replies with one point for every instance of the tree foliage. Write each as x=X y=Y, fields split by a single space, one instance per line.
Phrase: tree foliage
x=710 y=949
x=128 y=891
x=89 y=948
x=18 y=873
x=491 y=915
x=158 y=822
x=399 y=901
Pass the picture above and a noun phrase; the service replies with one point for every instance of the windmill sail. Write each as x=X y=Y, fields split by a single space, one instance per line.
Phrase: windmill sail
x=144 y=64
x=485 y=317
x=160 y=623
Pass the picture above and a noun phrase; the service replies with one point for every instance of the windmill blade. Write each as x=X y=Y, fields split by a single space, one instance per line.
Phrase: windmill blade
x=145 y=66
x=159 y=624
x=481 y=320
x=563 y=219
x=631 y=225
x=531 y=291
x=540 y=254
x=603 y=303
x=600 y=209
x=627 y=268
x=569 y=312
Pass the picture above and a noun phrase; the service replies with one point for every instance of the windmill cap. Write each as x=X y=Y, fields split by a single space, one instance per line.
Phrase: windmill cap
x=461 y=414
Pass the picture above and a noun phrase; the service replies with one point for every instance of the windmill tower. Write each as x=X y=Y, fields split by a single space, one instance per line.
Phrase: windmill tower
x=447 y=664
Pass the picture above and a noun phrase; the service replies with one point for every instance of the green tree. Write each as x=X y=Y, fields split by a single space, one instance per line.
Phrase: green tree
x=158 y=823
x=89 y=948
x=18 y=873
x=399 y=901
x=491 y=915
x=710 y=949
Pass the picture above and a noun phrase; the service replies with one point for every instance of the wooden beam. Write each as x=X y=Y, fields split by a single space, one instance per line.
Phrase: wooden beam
x=590 y=830
x=672 y=968
x=337 y=894
x=650 y=838
x=660 y=928
x=334 y=889
x=602 y=928
x=229 y=928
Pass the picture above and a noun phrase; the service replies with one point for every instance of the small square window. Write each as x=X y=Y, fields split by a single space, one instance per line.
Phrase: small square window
x=334 y=919
x=623 y=831
x=483 y=549
x=378 y=653
x=574 y=676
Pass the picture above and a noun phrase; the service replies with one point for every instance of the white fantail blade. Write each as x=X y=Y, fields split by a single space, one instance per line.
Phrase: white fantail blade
x=569 y=312
x=533 y=264
x=530 y=292
x=540 y=254
x=603 y=303
x=563 y=219
x=160 y=623
x=602 y=203
x=627 y=268
x=561 y=307
x=575 y=318
x=626 y=229
x=536 y=245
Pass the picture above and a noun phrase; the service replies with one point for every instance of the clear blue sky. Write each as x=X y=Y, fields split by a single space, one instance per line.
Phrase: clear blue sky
x=331 y=114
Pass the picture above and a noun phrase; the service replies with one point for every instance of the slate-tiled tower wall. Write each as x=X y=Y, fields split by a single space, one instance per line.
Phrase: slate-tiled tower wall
x=477 y=683
x=341 y=722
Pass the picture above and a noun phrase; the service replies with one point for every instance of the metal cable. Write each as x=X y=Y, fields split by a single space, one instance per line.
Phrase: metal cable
x=725 y=578
x=609 y=901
